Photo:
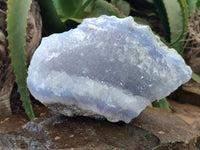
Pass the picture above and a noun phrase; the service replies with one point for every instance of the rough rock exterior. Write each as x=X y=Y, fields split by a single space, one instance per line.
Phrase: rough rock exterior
x=106 y=66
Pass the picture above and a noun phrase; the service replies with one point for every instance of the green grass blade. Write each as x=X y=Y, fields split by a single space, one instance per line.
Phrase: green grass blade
x=196 y=77
x=16 y=28
x=161 y=104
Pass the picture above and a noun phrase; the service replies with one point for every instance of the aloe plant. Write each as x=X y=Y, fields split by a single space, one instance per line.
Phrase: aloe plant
x=62 y=12
x=174 y=17
x=16 y=28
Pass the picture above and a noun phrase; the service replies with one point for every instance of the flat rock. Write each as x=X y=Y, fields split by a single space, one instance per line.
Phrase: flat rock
x=177 y=129
x=152 y=129
x=58 y=131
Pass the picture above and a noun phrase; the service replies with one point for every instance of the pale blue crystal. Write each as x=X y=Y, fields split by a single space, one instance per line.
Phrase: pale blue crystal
x=107 y=66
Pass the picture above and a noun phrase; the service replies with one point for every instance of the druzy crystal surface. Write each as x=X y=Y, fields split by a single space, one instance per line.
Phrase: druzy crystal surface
x=107 y=67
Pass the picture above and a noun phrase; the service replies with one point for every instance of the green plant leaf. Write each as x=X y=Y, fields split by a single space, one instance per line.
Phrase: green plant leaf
x=163 y=16
x=192 y=6
x=174 y=17
x=178 y=26
x=16 y=28
x=161 y=104
x=123 y=6
x=67 y=8
x=101 y=7
x=198 y=4
x=74 y=10
x=86 y=9
x=196 y=77
x=150 y=1
x=142 y=21
x=178 y=45
x=174 y=14
x=50 y=19
x=57 y=13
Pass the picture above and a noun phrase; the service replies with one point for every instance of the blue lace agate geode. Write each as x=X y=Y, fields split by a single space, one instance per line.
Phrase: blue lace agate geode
x=107 y=67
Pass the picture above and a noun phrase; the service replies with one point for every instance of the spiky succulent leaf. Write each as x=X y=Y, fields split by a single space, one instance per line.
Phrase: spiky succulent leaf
x=78 y=9
x=175 y=38
x=56 y=13
x=101 y=7
x=123 y=6
x=50 y=19
x=163 y=16
x=176 y=14
x=16 y=28
x=192 y=6
x=67 y=8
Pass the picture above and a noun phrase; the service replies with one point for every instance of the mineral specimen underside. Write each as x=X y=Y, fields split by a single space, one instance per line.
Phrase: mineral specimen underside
x=106 y=66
